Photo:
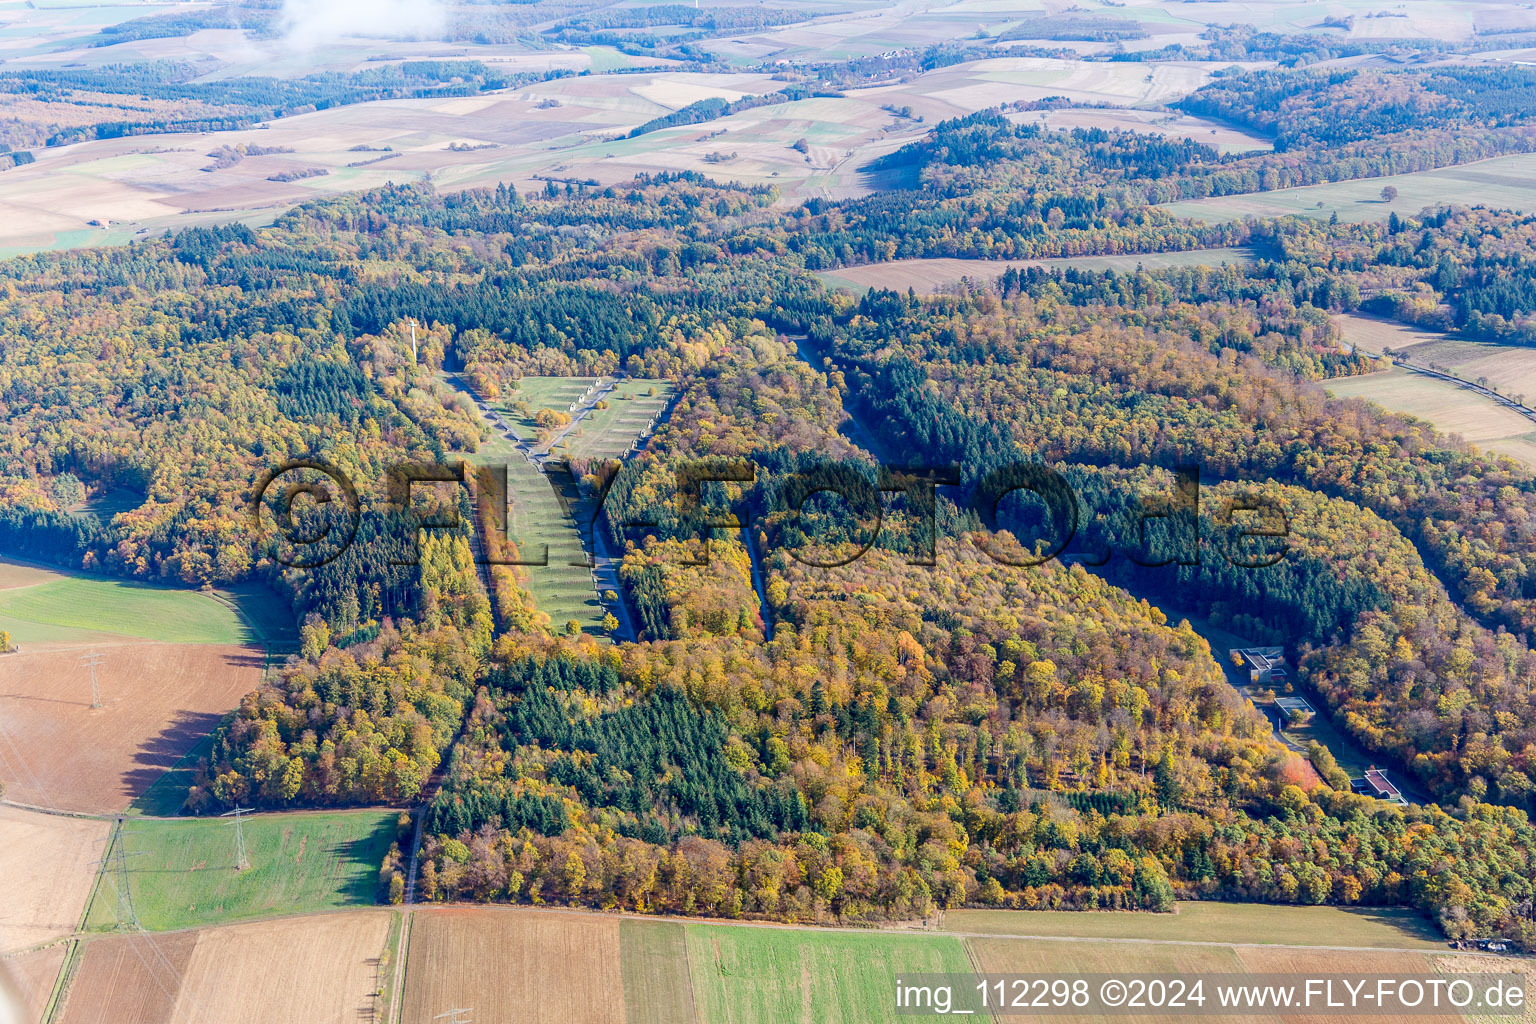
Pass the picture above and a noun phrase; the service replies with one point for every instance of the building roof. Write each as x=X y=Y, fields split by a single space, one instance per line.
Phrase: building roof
x=1382 y=785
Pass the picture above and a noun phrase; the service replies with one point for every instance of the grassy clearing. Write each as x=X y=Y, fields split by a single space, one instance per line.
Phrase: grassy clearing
x=654 y=961
x=182 y=873
x=606 y=58
x=538 y=393
x=1373 y=927
x=538 y=522
x=1506 y=182
x=107 y=505
x=120 y=607
x=607 y=433
x=780 y=974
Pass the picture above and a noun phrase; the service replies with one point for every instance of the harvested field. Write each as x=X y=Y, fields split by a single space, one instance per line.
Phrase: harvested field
x=927 y=275
x=1506 y=182
x=128 y=979
x=744 y=975
x=525 y=965
x=1274 y=961
x=183 y=875
x=49 y=862
x=158 y=700
x=1225 y=138
x=305 y=969
x=302 y=970
x=1450 y=408
x=571 y=127
x=1217 y=922
x=657 y=989
x=29 y=980
x=14 y=574
x=1013 y=956
x=1509 y=369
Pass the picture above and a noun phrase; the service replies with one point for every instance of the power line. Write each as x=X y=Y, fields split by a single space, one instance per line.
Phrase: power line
x=92 y=661
x=114 y=863
x=454 y=1017
x=242 y=863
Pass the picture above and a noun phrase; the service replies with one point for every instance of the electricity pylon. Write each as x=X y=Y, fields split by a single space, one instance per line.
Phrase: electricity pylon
x=115 y=863
x=241 y=861
x=92 y=661
x=454 y=1016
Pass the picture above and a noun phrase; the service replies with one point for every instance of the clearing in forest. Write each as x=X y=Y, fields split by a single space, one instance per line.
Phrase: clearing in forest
x=630 y=410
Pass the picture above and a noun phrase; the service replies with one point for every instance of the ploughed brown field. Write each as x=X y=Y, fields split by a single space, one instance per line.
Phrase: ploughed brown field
x=48 y=862
x=27 y=980
x=158 y=700
x=534 y=967
x=293 y=971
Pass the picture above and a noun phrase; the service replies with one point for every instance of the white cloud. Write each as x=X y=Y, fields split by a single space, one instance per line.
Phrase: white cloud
x=310 y=23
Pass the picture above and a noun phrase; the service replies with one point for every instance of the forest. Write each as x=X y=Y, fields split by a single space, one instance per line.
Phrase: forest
x=826 y=720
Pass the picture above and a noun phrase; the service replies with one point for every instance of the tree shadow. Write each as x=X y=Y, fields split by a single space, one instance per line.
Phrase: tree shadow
x=1411 y=924
x=164 y=750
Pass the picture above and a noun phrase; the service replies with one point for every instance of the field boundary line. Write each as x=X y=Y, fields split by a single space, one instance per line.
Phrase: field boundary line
x=397 y=1002
x=101 y=873
x=693 y=990
x=970 y=955
x=59 y=812
x=61 y=984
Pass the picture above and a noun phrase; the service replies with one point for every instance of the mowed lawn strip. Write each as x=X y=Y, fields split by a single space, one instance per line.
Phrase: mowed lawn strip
x=744 y=975
x=536 y=522
x=124 y=608
x=654 y=958
x=182 y=873
x=1375 y=927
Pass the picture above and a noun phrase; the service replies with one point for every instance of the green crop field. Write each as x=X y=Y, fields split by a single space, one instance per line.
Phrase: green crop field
x=1506 y=182
x=48 y=612
x=654 y=961
x=182 y=872
x=607 y=433
x=778 y=974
